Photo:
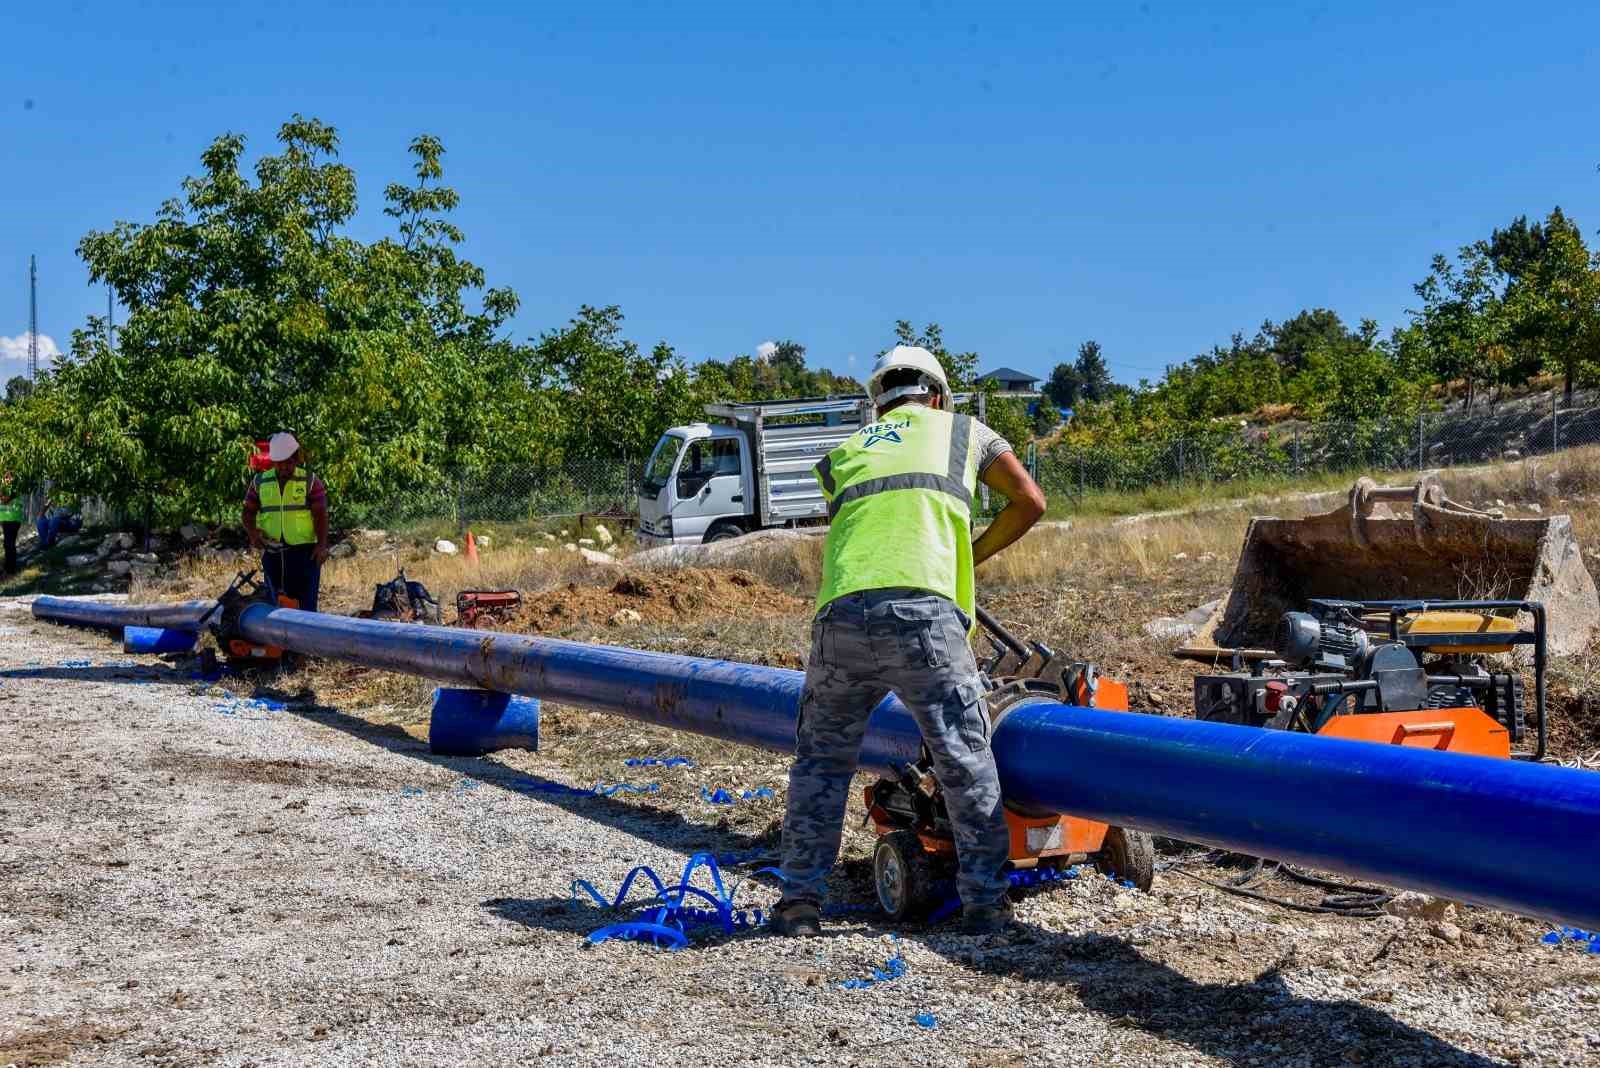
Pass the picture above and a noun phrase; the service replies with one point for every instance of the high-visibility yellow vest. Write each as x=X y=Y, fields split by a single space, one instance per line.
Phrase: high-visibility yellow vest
x=899 y=496
x=285 y=516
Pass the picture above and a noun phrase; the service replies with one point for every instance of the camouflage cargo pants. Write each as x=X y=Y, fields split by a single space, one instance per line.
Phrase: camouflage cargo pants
x=864 y=645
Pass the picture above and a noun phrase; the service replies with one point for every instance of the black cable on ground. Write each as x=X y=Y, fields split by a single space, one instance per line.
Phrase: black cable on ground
x=1349 y=899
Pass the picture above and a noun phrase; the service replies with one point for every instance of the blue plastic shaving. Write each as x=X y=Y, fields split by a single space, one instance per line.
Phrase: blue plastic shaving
x=926 y=1019
x=412 y=791
x=1018 y=879
x=249 y=707
x=659 y=762
x=739 y=860
x=1573 y=934
x=75 y=663
x=892 y=969
x=667 y=917
x=723 y=797
x=598 y=790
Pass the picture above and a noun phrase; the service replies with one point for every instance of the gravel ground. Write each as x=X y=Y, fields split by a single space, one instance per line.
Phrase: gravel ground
x=189 y=880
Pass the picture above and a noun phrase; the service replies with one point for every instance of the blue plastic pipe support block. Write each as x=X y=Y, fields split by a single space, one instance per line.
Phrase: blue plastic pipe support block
x=183 y=615
x=475 y=722
x=158 y=640
x=1501 y=833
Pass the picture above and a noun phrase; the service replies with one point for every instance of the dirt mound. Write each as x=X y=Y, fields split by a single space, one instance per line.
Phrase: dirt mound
x=658 y=597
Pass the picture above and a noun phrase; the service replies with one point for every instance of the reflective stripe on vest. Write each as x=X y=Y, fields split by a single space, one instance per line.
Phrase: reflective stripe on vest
x=285 y=516
x=899 y=496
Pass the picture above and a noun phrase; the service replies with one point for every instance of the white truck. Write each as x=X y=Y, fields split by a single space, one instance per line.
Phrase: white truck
x=748 y=467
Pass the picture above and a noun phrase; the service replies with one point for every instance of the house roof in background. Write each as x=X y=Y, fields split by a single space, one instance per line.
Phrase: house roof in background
x=1008 y=374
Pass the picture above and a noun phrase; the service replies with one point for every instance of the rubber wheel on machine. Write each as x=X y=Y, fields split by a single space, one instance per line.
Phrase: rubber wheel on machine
x=722 y=532
x=903 y=876
x=1129 y=855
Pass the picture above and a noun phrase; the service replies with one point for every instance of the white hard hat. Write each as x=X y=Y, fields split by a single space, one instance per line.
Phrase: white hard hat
x=907 y=357
x=282 y=447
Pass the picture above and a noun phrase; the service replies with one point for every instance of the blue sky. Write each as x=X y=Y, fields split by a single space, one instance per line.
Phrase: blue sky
x=1152 y=175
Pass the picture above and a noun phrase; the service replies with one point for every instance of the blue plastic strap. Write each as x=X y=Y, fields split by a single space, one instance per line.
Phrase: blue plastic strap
x=659 y=762
x=892 y=969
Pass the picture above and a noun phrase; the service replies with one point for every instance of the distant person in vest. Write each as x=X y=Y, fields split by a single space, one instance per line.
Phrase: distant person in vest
x=286 y=517
x=11 y=517
x=894 y=613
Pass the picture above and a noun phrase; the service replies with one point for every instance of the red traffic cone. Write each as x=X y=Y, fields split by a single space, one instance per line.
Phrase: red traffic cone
x=472 y=548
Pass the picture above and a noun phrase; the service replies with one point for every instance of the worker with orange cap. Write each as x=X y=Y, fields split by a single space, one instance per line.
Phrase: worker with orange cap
x=286 y=518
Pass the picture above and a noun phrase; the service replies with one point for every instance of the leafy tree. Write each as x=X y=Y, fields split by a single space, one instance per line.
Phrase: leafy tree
x=1552 y=296
x=961 y=368
x=1064 y=385
x=1293 y=341
x=1046 y=417
x=1461 y=317
x=616 y=398
x=249 y=308
x=1094 y=377
x=18 y=389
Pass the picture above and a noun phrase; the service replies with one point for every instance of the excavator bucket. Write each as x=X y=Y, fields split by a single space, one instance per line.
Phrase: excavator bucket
x=1401 y=543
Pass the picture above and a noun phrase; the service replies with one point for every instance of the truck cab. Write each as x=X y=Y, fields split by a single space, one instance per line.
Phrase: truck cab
x=696 y=486
x=747 y=468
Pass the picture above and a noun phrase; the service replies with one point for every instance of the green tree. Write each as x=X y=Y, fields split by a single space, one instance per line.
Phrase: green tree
x=616 y=398
x=250 y=308
x=18 y=389
x=1064 y=385
x=1094 y=377
x=1552 y=297
x=961 y=368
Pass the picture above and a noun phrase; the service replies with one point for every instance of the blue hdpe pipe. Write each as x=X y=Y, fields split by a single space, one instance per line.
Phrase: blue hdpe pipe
x=184 y=615
x=1500 y=833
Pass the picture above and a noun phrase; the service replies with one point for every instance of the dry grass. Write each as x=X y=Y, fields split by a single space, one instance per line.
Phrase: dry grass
x=1085 y=587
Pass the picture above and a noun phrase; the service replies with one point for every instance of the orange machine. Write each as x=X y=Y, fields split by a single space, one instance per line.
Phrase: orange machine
x=916 y=848
x=1412 y=673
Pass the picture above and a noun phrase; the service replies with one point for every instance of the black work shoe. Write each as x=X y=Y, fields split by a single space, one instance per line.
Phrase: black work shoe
x=797 y=919
x=986 y=919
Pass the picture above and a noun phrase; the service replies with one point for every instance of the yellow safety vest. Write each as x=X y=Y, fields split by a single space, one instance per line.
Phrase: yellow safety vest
x=11 y=511
x=285 y=516
x=899 y=496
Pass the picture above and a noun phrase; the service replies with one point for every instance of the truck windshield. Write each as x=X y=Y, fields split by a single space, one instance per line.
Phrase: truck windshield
x=659 y=469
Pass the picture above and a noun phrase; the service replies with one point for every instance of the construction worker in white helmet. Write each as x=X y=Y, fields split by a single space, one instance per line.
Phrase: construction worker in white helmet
x=894 y=613
x=286 y=520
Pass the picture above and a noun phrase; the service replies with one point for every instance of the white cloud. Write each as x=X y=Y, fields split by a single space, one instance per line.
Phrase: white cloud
x=14 y=355
x=765 y=350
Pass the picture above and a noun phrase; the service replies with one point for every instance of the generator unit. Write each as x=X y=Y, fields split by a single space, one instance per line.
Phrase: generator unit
x=1401 y=672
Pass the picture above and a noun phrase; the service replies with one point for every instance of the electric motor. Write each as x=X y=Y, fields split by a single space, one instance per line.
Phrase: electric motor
x=1304 y=639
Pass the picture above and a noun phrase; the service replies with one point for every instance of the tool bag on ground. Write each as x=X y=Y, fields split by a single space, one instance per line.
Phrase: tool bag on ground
x=404 y=600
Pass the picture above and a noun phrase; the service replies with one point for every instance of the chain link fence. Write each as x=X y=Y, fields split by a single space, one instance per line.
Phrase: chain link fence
x=1515 y=429
x=1510 y=430
x=507 y=495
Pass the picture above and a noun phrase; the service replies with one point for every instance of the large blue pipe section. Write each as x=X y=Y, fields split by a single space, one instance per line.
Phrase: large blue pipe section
x=183 y=615
x=1501 y=833
x=737 y=702
x=1505 y=833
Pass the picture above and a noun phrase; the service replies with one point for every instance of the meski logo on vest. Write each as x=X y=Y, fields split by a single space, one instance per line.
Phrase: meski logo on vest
x=886 y=431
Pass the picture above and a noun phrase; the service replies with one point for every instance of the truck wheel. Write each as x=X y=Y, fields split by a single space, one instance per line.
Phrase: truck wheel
x=722 y=532
x=903 y=876
x=1129 y=855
